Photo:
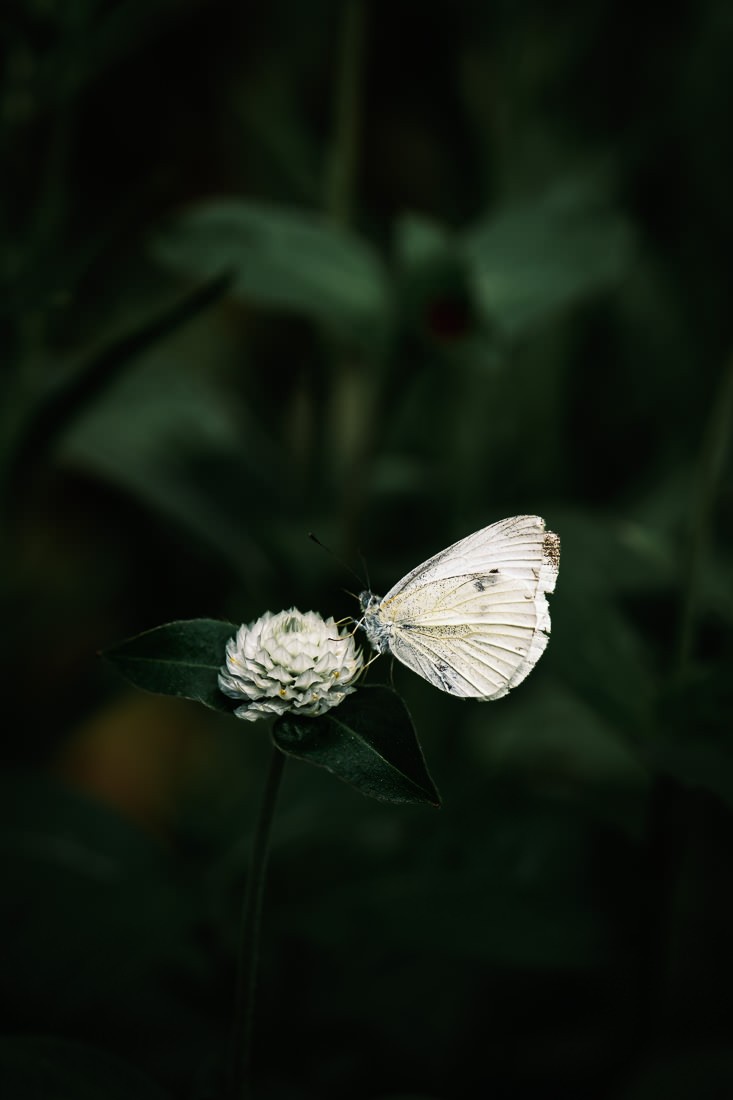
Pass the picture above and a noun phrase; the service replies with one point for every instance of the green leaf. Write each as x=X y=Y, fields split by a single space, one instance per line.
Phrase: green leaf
x=534 y=258
x=420 y=240
x=368 y=741
x=39 y=1067
x=170 y=435
x=67 y=399
x=181 y=658
x=281 y=257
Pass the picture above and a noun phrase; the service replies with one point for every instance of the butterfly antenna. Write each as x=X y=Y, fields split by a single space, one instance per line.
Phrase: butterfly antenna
x=364 y=566
x=342 y=563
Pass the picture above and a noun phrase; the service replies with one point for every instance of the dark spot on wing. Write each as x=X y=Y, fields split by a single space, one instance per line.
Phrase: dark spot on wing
x=482 y=583
x=551 y=549
x=444 y=675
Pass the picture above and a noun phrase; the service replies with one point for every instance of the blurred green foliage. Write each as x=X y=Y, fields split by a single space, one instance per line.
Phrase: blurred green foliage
x=516 y=300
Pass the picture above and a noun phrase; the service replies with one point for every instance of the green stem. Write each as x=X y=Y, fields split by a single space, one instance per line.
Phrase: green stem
x=345 y=415
x=712 y=456
x=347 y=115
x=241 y=1059
x=673 y=806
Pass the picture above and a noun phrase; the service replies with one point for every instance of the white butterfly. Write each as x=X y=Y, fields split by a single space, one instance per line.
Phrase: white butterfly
x=473 y=620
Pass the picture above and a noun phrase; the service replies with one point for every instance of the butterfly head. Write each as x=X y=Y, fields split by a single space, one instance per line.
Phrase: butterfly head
x=368 y=601
x=372 y=623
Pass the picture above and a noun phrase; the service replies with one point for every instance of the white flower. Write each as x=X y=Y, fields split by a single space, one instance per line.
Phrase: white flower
x=289 y=662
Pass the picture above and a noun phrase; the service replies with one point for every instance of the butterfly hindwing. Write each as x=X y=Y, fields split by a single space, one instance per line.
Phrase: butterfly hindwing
x=476 y=641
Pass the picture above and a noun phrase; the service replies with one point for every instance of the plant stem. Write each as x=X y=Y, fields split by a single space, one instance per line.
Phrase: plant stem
x=241 y=1056
x=712 y=456
x=347 y=115
x=674 y=808
x=347 y=416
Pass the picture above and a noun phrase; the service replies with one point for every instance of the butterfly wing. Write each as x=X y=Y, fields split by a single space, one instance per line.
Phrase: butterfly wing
x=473 y=620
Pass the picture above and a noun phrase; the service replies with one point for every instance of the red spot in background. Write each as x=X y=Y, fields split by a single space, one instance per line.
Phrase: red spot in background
x=448 y=318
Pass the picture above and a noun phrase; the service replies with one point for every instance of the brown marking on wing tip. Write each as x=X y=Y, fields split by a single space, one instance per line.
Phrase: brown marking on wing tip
x=551 y=549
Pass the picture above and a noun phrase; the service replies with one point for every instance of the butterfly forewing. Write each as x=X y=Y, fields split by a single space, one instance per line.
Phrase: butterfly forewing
x=473 y=620
x=518 y=542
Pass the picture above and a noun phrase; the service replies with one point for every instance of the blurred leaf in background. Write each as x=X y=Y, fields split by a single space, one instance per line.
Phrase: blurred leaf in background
x=281 y=259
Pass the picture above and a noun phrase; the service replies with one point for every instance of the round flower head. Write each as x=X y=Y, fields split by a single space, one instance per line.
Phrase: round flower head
x=290 y=661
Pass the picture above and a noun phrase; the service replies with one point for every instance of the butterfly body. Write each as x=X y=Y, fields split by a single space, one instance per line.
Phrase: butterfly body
x=473 y=620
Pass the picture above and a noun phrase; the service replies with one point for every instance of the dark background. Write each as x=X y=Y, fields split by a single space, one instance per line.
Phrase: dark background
x=475 y=261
